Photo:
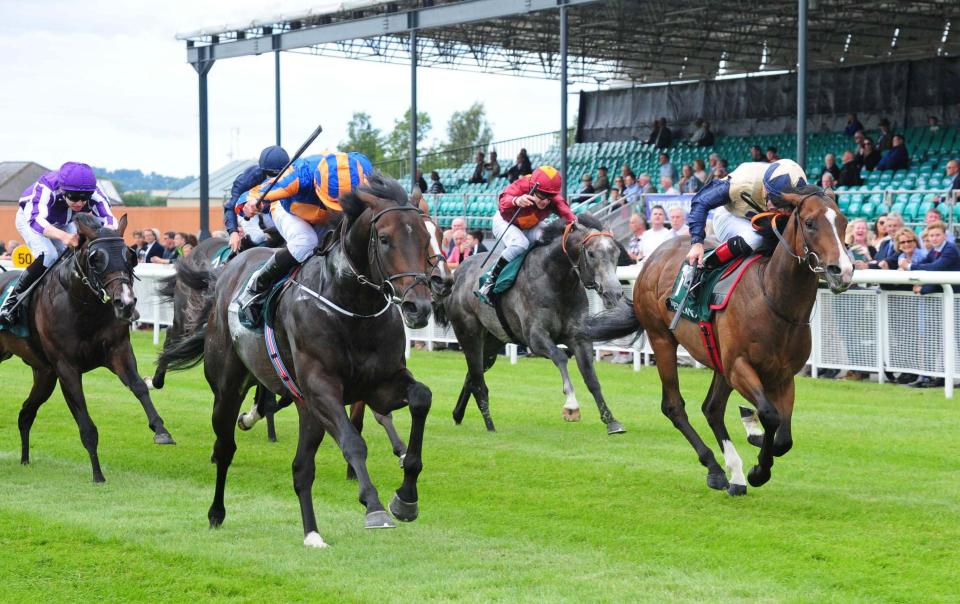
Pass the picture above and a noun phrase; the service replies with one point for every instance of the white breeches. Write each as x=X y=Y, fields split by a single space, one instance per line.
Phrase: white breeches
x=253 y=229
x=516 y=240
x=301 y=236
x=726 y=226
x=38 y=243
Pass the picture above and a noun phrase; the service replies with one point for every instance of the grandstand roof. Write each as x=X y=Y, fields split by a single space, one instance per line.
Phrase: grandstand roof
x=610 y=41
x=220 y=183
x=16 y=176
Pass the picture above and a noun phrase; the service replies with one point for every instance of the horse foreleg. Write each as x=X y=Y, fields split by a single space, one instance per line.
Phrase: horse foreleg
x=541 y=344
x=123 y=363
x=404 y=505
x=399 y=448
x=72 y=386
x=357 y=412
x=745 y=379
x=229 y=384
x=44 y=381
x=714 y=408
x=261 y=402
x=583 y=351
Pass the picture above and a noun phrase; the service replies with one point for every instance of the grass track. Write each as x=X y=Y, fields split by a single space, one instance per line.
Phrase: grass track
x=864 y=508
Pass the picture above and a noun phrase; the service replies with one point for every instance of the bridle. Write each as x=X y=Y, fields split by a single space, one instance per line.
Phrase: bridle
x=578 y=266
x=90 y=278
x=385 y=286
x=434 y=260
x=809 y=257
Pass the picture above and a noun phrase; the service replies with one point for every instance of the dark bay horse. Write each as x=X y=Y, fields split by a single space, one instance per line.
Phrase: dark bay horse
x=340 y=336
x=547 y=306
x=763 y=335
x=79 y=319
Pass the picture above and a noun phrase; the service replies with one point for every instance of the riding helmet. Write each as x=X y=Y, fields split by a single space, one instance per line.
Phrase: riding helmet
x=782 y=175
x=74 y=176
x=273 y=159
x=339 y=173
x=548 y=178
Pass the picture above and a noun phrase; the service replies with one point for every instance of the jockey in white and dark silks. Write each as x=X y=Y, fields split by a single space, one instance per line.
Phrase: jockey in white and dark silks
x=752 y=188
x=45 y=220
x=530 y=210
x=272 y=161
x=304 y=206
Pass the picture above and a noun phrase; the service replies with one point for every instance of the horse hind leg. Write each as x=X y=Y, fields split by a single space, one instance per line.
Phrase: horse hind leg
x=744 y=378
x=246 y=421
x=72 y=386
x=714 y=408
x=475 y=384
x=399 y=447
x=229 y=384
x=304 y=473
x=357 y=412
x=44 y=381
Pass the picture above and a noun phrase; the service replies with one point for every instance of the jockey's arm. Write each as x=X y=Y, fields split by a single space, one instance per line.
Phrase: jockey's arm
x=712 y=196
x=68 y=239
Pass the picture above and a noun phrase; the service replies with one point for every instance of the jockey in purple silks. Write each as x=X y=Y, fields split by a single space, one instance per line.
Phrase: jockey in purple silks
x=45 y=220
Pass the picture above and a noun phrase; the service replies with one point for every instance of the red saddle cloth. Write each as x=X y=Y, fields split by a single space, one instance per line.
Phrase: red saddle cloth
x=721 y=295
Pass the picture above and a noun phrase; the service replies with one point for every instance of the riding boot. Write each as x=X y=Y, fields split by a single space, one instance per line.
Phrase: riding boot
x=250 y=302
x=26 y=279
x=735 y=247
x=487 y=288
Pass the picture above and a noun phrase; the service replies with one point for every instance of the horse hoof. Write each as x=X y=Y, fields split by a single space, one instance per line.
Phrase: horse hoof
x=378 y=520
x=24 y=461
x=758 y=476
x=737 y=490
x=163 y=438
x=571 y=415
x=99 y=479
x=216 y=517
x=717 y=481
x=240 y=423
x=402 y=457
x=457 y=420
x=615 y=427
x=313 y=539
x=403 y=511
x=755 y=439
x=490 y=427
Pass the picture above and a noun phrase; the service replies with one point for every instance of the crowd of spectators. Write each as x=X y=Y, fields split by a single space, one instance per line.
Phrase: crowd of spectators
x=153 y=247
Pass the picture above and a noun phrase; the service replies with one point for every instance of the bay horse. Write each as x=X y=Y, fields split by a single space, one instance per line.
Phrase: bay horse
x=546 y=306
x=763 y=335
x=79 y=319
x=340 y=338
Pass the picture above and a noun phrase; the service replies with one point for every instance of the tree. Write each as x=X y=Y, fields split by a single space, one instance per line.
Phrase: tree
x=397 y=143
x=363 y=137
x=467 y=130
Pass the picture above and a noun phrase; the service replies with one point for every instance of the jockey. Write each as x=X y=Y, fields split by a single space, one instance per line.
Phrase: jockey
x=45 y=220
x=752 y=188
x=529 y=210
x=273 y=159
x=305 y=205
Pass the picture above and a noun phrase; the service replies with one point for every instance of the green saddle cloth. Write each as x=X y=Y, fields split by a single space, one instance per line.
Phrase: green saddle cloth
x=221 y=257
x=508 y=276
x=19 y=327
x=712 y=290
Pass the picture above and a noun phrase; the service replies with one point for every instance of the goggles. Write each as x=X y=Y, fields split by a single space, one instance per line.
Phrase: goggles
x=78 y=196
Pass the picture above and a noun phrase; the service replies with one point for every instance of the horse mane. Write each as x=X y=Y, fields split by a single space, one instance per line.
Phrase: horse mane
x=92 y=222
x=554 y=230
x=803 y=191
x=377 y=185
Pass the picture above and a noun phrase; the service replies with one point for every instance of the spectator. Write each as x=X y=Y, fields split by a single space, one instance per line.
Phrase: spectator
x=137 y=242
x=868 y=156
x=151 y=247
x=614 y=198
x=879 y=232
x=631 y=191
x=638 y=226
x=772 y=155
x=702 y=137
x=657 y=234
x=666 y=168
x=858 y=138
x=700 y=171
x=601 y=183
x=933 y=123
x=720 y=172
x=455 y=255
x=678 y=222
x=478 y=170
x=830 y=165
x=756 y=154
x=457 y=225
x=933 y=216
x=858 y=243
x=436 y=187
x=191 y=239
x=618 y=184
x=170 y=251
x=827 y=181
x=421 y=182
x=522 y=166
x=688 y=182
x=714 y=161
x=660 y=137
x=853 y=124
x=907 y=248
x=896 y=158
x=850 y=172
x=953 y=173
x=586 y=188
x=12 y=245
x=186 y=249
x=477 y=238
x=666 y=186
x=708 y=139
x=625 y=170
x=492 y=168
x=887 y=248
x=645 y=185
x=885 y=140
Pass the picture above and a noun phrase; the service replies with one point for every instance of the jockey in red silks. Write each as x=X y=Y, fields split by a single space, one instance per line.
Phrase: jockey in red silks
x=530 y=210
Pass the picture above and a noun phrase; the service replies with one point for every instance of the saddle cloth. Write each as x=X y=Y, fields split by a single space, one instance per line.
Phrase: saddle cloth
x=19 y=327
x=508 y=276
x=221 y=257
x=273 y=296
x=713 y=291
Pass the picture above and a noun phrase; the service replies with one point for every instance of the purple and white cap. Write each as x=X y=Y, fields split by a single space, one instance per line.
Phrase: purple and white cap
x=74 y=176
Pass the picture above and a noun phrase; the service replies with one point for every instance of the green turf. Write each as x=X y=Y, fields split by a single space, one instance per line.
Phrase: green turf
x=864 y=508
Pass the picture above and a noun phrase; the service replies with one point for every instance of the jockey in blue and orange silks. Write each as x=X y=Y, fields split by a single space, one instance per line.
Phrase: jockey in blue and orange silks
x=45 y=220
x=304 y=206
x=273 y=159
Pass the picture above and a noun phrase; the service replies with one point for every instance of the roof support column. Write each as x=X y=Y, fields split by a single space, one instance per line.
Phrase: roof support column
x=802 y=83
x=563 y=97
x=413 y=109
x=276 y=91
x=202 y=68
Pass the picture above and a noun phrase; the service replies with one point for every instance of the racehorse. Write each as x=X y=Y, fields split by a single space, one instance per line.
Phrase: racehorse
x=79 y=319
x=339 y=338
x=547 y=306
x=763 y=335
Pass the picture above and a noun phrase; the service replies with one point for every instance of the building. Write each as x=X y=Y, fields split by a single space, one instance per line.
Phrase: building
x=220 y=183
x=16 y=176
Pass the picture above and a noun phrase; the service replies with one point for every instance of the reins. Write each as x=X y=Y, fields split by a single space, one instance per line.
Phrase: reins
x=578 y=265
x=90 y=279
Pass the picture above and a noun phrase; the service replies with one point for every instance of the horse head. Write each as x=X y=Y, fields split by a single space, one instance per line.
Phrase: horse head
x=388 y=246
x=441 y=277
x=594 y=253
x=105 y=264
x=818 y=225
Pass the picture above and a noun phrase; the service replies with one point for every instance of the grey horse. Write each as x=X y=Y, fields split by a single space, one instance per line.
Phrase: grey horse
x=547 y=306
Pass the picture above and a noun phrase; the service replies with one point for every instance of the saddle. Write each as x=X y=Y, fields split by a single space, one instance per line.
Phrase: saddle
x=271 y=300
x=508 y=276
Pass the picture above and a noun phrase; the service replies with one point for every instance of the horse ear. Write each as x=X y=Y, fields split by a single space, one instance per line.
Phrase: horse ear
x=352 y=205
x=122 y=225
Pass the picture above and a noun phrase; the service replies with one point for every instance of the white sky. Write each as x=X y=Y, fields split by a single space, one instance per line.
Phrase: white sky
x=106 y=83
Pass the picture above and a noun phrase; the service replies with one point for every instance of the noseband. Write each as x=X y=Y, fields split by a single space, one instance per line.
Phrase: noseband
x=90 y=278
x=809 y=257
x=577 y=266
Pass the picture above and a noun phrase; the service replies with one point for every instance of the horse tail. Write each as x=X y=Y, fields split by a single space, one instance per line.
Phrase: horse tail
x=440 y=310
x=167 y=288
x=618 y=322
x=199 y=278
x=186 y=352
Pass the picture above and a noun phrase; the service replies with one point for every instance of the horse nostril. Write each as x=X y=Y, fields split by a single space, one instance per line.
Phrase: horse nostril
x=834 y=269
x=408 y=308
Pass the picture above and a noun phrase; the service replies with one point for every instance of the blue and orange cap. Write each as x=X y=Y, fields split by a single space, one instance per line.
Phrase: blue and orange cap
x=339 y=173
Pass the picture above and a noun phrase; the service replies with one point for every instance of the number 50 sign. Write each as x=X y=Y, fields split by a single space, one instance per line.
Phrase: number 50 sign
x=21 y=256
